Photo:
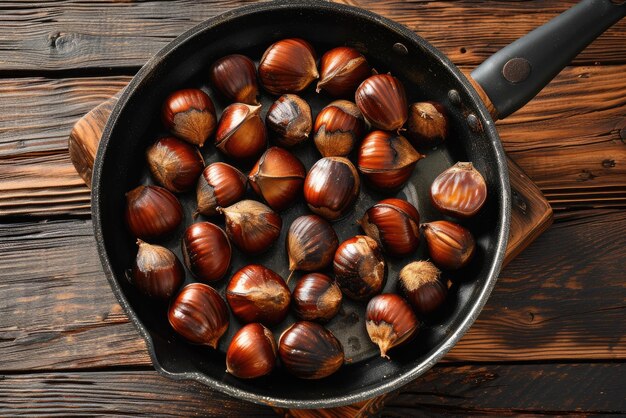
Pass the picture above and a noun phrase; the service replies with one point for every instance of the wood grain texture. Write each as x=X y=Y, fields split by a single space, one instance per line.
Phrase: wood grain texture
x=563 y=298
x=52 y=35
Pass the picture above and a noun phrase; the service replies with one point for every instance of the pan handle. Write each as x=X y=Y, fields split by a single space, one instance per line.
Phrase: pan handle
x=514 y=75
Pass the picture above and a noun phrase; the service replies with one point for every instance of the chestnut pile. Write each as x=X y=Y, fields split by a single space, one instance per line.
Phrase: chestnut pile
x=379 y=131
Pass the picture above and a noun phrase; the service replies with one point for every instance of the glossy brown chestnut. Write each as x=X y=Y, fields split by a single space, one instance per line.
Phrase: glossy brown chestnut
x=206 y=251
x=387 y=160
x=235 y=77
x=257 y=294
x=311 y=243
x=310 y=351
x=421 y=285
x=152 y=212
x=241 y=133
x=289 y=119
x=252 y=352
x=459 y=191
x=288 y=66
x=220 y=185
x=382 y=100
x=360 y=268
x=157 y=273
x=342 y=69
x=427 y=124
x=338 y=128
x=278 y=177
x=199 y=314
x=174 y=164
x=390 y=322
x=190 y=115
x=316 y=297
x=251 y=225
x=331 y=187
x=450 y=245
x=394 y=224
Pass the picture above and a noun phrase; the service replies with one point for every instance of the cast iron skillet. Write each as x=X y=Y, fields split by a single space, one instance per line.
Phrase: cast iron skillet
x=427 y=75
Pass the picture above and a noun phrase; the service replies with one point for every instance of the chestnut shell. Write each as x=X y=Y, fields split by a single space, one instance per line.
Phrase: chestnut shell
x=206 y=251
x=360 y=268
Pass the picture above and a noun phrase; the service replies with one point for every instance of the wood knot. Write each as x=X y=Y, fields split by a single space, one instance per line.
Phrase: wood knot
x=62 y=42
x=586 y=175
x=608 y=163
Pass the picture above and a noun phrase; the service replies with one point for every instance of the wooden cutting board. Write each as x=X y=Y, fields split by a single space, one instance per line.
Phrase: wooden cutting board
x=531 y=215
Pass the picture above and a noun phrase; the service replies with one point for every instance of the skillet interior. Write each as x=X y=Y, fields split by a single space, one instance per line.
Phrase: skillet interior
x=427 y=75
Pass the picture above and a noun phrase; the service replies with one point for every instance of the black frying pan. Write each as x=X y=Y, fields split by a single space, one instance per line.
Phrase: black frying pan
x=510 y=78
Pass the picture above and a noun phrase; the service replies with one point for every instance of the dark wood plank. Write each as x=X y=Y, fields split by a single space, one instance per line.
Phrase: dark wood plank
x=53 y=35
x=563 y=298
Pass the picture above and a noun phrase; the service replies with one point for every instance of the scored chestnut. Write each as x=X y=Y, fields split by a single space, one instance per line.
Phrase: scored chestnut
x=206 y=251
x=156 y=272
x=338 y=128
x=258 y=294
x=252 y=352
x=311 y=243
x=152 y=212
x=309 y=351
x=199 y=314
x=174 y=164
x=382 y=100
x=459 y=191
x=390 y=322
x=241 y=133
x=421 y=285
x=360 y=268
x=220 y=184
x=190 y=115
x=316 y=297
x=427 y=124
x=450 y=245
x=288 y=66
x=394 y=224
x=251 y=225
x=331 y=187
x=235 y=77
x=342 y=69
x=289 y=119
x=277 y=177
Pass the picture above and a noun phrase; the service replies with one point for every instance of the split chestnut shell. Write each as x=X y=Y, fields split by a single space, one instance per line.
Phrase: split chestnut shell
x=382 y=100
x=450 y=245
x=190 y=115
x=241 y=133
x=459 y=191
x=360 y=268
x=342 y=69
x=394 y=224
x=288 y=66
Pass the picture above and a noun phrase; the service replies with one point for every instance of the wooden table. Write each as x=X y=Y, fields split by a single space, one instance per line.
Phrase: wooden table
x=551 y=340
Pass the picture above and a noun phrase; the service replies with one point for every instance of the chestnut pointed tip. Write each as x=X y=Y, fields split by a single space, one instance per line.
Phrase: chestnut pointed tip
x=291 y=272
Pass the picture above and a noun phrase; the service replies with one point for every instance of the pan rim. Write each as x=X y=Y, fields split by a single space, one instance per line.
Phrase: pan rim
x=381 y=387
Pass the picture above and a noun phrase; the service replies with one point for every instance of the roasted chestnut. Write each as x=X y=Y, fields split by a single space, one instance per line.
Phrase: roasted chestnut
x=427 y=124
x=342 y=69
x=190 y=115
x=157 y=273
x=450 y=245
x=251 y=225
x=219 y=185
x=235 y=77
x=360 y=268
x=390 y=322
x=152 y=212
x=206 y=251
x=240 y=133
x=338 y=128
x=174 y=164
x=421 y=285
x=459 y=191
x=394 y=224
x=311 y=243
x=316 y=297
x=387 y=160
x=289 y=119
x=257 y=294
x=199 y=314
x=277 y=177
x=252 y=352
x=310 y=351
x=331 y=187
x=382 y=100
x=288 y=66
